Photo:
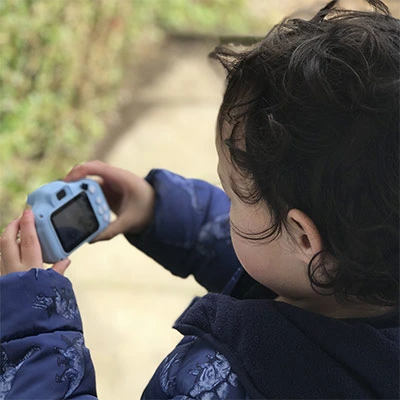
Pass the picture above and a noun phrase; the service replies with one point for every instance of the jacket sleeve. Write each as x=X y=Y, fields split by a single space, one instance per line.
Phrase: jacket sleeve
x=43 y=354
x=194 y=370
x=190 y=232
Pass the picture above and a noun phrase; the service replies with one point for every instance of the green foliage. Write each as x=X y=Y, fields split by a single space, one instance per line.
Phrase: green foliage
x=61 y=63
x=207 y=16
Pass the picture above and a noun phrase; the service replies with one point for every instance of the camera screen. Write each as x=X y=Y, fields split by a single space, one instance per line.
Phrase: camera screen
x=74 y=222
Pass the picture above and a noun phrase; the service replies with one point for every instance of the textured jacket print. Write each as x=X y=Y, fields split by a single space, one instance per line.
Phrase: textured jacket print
x=43 y=355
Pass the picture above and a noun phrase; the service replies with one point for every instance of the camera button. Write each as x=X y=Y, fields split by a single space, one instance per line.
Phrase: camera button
x=100 y=210
x=61 y=194
x=106 y=217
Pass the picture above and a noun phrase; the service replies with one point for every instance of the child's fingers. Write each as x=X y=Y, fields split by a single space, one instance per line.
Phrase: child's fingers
x=89 y=168
x=31 y=253
x=77 y=172
x=61 y=266
x=111 y=176
x=120 y=225
x=9 y=249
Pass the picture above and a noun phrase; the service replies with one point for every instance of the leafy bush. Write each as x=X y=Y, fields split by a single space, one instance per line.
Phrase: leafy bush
x=206 y=16
x=61 y=64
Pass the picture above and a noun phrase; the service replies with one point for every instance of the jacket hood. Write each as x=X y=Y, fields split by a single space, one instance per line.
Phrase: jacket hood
x=281 y=351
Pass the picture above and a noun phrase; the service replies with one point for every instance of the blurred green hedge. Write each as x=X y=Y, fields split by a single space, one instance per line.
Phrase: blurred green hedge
x=61 y=64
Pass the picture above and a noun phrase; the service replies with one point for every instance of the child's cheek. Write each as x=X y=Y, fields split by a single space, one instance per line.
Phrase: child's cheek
x=248 y=254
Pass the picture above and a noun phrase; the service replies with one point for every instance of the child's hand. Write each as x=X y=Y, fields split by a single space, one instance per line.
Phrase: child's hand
x=20 y=249
x=129 y=196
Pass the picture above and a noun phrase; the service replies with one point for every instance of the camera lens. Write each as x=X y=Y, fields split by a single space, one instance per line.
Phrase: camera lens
x=61 y=194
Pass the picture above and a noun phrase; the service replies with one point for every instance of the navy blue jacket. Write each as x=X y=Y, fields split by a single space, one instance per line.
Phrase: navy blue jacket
x=242 y=344
x=237 y=345
x=43 y=355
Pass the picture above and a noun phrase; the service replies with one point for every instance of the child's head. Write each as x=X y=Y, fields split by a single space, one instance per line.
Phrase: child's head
x=310 y=117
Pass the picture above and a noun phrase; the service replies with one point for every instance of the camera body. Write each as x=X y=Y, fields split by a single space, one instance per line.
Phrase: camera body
x=67 y=215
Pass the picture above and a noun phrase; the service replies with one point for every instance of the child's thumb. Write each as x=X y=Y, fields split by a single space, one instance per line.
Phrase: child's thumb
x=115 y=228
x=61 y=266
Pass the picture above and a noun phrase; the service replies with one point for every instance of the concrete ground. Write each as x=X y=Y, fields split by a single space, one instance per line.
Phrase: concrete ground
x=127 y=301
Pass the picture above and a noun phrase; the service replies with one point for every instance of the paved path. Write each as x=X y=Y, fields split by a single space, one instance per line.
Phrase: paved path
x=127 y=301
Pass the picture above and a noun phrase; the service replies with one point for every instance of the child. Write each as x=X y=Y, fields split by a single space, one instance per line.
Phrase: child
x=308 y=146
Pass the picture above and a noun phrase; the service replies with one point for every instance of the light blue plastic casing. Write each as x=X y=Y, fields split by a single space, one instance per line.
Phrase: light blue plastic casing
x=68 y=215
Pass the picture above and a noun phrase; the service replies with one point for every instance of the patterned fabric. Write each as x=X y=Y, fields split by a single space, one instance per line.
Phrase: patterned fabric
x=43 y=355
x=73 y=360
x=195 y=370
x=62 y=303
x=190 y=233
x=8 y=370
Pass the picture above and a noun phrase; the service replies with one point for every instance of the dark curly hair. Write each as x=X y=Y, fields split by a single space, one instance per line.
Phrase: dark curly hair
x=313 y=117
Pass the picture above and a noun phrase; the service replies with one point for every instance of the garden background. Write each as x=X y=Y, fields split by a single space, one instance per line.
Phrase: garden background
x=64 y=65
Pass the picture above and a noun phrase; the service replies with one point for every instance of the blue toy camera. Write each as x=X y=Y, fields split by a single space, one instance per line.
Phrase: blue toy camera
x=68 y=215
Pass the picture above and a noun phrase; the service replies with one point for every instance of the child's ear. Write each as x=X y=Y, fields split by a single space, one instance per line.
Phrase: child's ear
x=305 y=233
